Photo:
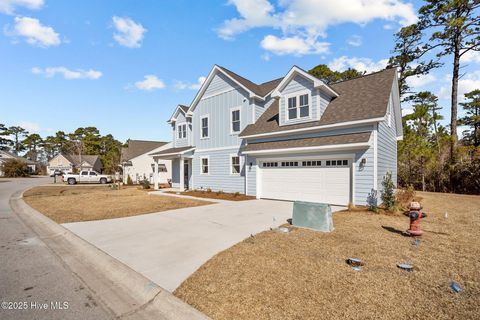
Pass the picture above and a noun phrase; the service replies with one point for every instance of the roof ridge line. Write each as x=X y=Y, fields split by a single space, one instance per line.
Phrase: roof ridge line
x=362 y=76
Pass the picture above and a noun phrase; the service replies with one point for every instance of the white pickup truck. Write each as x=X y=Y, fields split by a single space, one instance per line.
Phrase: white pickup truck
x=86 y=177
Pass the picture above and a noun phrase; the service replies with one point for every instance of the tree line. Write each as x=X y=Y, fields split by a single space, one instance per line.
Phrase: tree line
x=85 y=141
x=431 y=157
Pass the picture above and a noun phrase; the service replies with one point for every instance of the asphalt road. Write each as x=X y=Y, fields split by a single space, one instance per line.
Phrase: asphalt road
x=33 y=281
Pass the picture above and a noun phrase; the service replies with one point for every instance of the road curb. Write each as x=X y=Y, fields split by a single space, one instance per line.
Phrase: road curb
x=126 y=293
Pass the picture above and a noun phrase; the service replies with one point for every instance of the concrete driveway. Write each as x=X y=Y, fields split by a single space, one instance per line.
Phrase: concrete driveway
x=167 y=247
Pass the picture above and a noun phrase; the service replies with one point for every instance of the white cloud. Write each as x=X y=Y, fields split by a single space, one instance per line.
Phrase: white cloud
x=469 y=82
x=68 y=73
x=150 y=83
x=295 y=45
x=355 y=41
x=307 y=20
x=9 y=6
x=471 y=56
x=406 y=111
x=388 y=26
x=180 y=85
x=31 y=127
x=253 y=13
x=129 y=33
x=35 y=33
x=420 y=81
x=361 y=64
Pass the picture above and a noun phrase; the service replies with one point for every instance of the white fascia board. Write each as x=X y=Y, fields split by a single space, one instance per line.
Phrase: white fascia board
x=400 y=138
x=311 y=149
x=170 y=154
x=316 y=128
x=209 y=79
x=317 y=83
x=173 y=118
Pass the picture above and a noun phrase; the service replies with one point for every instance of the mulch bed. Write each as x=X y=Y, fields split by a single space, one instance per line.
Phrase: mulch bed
x=215 y=195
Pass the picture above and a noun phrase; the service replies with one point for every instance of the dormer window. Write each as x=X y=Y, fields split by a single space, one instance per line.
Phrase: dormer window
x=298 y=106
x=182 y=131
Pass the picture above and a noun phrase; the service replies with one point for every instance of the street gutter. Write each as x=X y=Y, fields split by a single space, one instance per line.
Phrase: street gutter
x=121 y=290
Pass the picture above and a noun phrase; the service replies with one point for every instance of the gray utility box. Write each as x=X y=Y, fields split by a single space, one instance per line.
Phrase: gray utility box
x=317 y=216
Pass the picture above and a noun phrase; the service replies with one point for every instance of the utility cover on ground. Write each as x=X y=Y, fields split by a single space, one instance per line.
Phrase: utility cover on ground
x=317 y=216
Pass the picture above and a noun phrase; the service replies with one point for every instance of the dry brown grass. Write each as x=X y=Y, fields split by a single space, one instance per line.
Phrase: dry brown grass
x=303 y=275
x=84 y=203
x=215 y=195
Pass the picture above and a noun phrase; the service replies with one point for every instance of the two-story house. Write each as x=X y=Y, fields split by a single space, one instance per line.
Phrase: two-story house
x=293 y=138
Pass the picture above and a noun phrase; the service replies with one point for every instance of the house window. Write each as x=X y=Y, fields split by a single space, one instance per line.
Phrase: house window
x=269 y=164
x=204 y=122
x=204 y=169
x=290 y=164
x=298 y=108
x=182 y=131
x=235 y=119
x=314 y=163
x=235 y=164
x=292 y=108
x=303 y=105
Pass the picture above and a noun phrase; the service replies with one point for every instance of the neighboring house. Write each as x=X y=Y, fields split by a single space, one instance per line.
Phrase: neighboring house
x=293 y=138
x=4 y=155
x=70 y=162
x=137 y=163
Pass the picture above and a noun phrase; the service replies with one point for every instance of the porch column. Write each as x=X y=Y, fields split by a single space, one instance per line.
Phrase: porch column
x=155 y=175
x=182 y=175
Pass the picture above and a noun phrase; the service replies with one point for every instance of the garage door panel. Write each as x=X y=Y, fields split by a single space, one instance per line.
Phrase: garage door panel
x=316 y=184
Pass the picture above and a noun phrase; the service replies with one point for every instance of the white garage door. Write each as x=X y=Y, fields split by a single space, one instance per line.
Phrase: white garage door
x=326 y=181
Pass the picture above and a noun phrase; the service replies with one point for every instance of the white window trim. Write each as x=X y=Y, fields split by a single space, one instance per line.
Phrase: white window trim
x=239 y=109
x=201 y=165
x=201 y=127
x=297 y=94
x=177 y=131
x=239 y=164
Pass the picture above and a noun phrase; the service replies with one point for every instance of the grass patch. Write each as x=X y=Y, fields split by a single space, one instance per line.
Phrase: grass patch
x=216 y=195
x=303 y=274
x=65 y=204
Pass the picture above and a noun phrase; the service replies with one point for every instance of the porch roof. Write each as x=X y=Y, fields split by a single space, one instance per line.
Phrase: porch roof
x=352 y=140
x=172 y=152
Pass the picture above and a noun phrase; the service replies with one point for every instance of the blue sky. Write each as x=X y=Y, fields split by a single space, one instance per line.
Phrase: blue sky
x=123 y=66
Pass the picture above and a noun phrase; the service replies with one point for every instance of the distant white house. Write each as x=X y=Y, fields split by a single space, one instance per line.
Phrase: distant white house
x=139 y=165
x=4 y=155
x=70 y=162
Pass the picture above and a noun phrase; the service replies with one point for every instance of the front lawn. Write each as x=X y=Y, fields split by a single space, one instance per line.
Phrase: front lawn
x=215 y=195
x=303 y=274
x=84 y=203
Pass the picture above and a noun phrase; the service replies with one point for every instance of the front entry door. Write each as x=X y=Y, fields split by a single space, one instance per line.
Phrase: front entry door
x=185 y=174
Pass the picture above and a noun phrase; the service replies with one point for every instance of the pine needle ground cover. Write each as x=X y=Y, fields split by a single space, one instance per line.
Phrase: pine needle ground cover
x=303 y=274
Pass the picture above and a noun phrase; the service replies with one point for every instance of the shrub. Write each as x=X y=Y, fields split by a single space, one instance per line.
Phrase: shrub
x=145 y=184
x=372 y=201
x=13 y=168
x=209 y=190
x=129 y=181
x=388 y=192
x=219 y=192
x=236 y=194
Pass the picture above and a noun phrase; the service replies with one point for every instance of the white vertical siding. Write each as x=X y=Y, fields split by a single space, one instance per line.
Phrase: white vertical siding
x=218 y=108
x=387 y=148
x=251 y=172
x=219 y=176
x=318 y=103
